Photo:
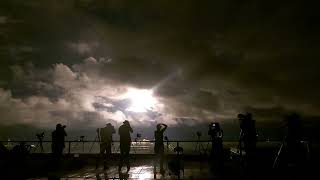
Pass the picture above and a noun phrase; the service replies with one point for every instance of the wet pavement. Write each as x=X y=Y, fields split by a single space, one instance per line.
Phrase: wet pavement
x=143 y=169
x=82 y=166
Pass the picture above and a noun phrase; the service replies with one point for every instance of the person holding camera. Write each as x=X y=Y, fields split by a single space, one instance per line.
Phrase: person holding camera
x=105 y=137
x=159 y=147
x=216 y=134
x=58 y=139
x=125 y=144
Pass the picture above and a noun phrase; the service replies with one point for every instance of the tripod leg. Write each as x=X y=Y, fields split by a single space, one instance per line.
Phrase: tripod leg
x=308 y=151
x=134 y=146
x=196 y=148
x=41 y=147
x=202 y=149
x=277 y=157
x=83 y=147
x=35 y=149
x=134 y=149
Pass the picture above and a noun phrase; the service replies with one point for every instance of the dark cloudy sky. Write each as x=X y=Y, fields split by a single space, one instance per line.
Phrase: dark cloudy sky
x=62 y=61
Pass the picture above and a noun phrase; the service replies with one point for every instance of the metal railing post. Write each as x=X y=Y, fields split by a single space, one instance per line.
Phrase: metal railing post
x=69 y=149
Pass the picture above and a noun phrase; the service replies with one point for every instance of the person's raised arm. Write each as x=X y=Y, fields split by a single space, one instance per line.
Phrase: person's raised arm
x=165 y=127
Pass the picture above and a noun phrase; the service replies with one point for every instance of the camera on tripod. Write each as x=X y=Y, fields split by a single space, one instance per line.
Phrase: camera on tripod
x=40 y=136
x=199 y=134
x=138 y=135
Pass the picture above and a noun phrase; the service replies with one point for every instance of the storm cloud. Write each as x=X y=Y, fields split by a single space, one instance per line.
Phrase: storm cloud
x=206 y=61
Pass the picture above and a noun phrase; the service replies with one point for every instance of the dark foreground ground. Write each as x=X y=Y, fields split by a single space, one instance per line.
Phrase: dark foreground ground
x=41 y=166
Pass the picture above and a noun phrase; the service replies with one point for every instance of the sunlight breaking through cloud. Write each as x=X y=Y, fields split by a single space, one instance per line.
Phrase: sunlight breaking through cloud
x=141 y=100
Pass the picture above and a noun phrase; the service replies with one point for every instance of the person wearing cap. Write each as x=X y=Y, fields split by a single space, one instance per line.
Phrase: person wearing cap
x=105 y=137
x=125 y=144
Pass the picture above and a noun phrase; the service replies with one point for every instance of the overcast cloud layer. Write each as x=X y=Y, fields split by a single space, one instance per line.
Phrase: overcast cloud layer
x=70 y=61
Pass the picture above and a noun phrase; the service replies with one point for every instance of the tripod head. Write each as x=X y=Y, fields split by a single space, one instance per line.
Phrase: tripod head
x=138 y=135
x=178 y=149
x=40 y=136
x=198 y=134
x=81 y=138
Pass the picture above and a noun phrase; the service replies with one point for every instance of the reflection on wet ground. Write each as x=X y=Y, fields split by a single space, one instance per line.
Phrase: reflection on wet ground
x=140 y=171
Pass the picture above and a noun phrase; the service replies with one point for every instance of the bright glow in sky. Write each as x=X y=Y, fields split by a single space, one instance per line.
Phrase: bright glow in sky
x=141 y=99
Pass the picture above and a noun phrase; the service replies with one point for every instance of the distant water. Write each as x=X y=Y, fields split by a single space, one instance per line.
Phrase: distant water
x=144 y=147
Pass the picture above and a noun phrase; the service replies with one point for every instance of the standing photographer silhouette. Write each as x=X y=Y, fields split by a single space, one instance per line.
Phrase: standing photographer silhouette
x=216 y=134
x=248 y=137
x=125 y=144
x=294 y=137
x=292 y=143
x=159 y=147
x=105 y=137
x=58 y=137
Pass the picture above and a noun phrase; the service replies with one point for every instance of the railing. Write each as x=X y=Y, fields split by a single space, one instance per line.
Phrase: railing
x=137 y=147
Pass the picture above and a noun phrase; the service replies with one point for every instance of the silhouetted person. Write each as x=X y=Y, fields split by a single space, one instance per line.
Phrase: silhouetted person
x=58 y=137
x=294 y=137
x=216 y=134
x=159 y=147
x=105 y=137
x=248 y=136
x=125 y=144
